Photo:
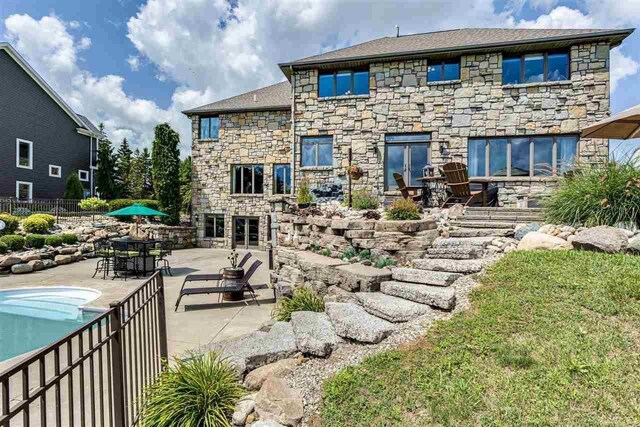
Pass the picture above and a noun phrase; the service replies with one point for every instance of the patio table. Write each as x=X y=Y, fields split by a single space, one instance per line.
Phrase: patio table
x=433 y=190
x=134 y=256
x=485 y=188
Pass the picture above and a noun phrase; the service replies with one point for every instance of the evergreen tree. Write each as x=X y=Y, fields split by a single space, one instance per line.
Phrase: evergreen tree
x=124 y=169
x=105 y=182
x=165 y=159
x=185 y=185
x=73 y=189
x=137 y=176
x=145 y=161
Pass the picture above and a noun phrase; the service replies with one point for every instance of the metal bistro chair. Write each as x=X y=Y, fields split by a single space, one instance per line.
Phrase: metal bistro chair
x=104 y=252
x=161 y=253
x=124 y=259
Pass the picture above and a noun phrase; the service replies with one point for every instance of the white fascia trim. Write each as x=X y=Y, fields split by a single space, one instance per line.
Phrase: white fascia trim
x=30 y=184
x=18 y=142
x=85 y=132
x=80 y=172
x=59 y=170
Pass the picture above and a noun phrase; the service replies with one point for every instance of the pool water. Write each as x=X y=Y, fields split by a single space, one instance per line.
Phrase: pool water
x=35 y=317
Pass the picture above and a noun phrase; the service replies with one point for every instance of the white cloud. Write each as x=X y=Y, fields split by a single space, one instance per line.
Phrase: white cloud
x=621 y=67
x=74 y=24
x=560 y=17
x=134 y=62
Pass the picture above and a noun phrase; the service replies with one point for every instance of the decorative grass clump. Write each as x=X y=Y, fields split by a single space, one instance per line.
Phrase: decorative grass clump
x=13 y=242
x=51 y=220
x=362 y=200
x=199 y=392
x=597 y=195
x=301 y=300
x=35 y=225
x=10 y=223
x=34 y=241
x=69 y=238
x=53 y=241
x=403 y=210
x=304 y=194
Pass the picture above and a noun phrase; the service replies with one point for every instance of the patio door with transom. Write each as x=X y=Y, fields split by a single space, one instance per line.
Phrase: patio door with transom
x=246 y=232
x=406 y=154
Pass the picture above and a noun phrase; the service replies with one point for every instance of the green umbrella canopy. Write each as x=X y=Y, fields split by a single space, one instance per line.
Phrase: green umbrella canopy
x=136 y=209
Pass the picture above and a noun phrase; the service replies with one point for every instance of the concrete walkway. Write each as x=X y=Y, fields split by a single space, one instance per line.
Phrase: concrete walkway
x=199 y=320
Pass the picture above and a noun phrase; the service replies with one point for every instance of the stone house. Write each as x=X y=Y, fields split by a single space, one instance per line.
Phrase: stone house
x=509 y=103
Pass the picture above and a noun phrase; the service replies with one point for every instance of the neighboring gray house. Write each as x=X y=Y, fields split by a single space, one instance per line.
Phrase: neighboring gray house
x=509 y=103
x=42 y=140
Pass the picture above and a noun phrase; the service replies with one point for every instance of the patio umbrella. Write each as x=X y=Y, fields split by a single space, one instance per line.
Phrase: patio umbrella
x=624 y=125
x=138 y=211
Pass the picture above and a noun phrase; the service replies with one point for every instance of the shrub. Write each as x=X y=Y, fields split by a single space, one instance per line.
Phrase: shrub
x=93 y=204
x=35 y=225
x=73 y=189
x=3 y=247
x=349 y=253
x=304 y=194
x=325 y=252
x=362 y=200
x=13 y=241
x=53 y=241
x=403 y=210
x=11 y=223
x=364 y=254
x=201 y=391
x=383 y=262
x=597 y=195
x=301 y=300
x=116 y=204
x=51 y=220
x=35 y=241
x=314 y=247
x=69 y=238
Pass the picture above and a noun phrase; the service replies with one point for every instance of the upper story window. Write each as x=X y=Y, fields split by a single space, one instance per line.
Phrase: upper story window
x=83 y=175
x=247 y=179
x=24 y=154
x=209 y=127
x=522 y=156
x=317 y=151
x=438 y=71
x=55 y=171
x=537 y=67
x=282 y=178
x=345 y=82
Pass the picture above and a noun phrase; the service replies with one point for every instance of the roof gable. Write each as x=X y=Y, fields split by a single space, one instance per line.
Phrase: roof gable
x=274 y=97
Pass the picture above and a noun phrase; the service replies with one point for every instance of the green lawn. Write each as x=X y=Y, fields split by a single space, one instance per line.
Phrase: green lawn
x=553 y=339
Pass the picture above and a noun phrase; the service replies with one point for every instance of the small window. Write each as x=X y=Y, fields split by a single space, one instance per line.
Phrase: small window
x=539 y=67
x=317 y=151
x=247 y=179
x=209 y=127
x=24 y=154
x=345 y=82
x=213 y=226
x=24 y=190
x=83 y=175
x=443 y=70
x=282 y=179
x=55 y=171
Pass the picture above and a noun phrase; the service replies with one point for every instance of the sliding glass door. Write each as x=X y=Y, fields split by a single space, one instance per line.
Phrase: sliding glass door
x=406 y=154
x=246 y=232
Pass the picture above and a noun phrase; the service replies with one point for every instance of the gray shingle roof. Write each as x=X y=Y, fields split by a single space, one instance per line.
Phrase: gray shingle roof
x=274 y=97
x=87 y=123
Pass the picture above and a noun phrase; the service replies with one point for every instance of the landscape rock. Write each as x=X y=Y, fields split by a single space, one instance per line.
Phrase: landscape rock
x=278 y=402
x=465 y=266
x=21 y=268
x=266 y=423
x=361 y=277
x=68 y=250
x=391 y=308
x=436 y=296
x=244 y=407
x=64 y=259
x=352 y=321
x=456 y=211
x=523 y=231
x=36 y=264
x=414 y=275
x=634 y=244
x=536 y=240
x=29 y=257
x=279 y=369
x=405 y=226
x=314 y=332
x=48 y=263
x=337 y=294
x=9 y=260
x=601 y=239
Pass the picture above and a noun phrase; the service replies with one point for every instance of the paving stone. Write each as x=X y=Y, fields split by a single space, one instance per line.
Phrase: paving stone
x=314 y=333
x=462 y=241
x=457 y=252
x=414 y=275
x=391 y=308
x=361 y=277
x=353 y=322
x=464 y=266
x=436 y=296
x=481 y=232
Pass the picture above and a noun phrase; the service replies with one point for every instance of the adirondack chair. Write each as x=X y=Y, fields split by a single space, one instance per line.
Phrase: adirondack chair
x=413 y=193
x=458 y=181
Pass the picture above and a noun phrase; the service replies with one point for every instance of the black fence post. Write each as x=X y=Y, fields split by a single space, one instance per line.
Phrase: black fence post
x=119 y=411
x=350 y=155
x=162 y=318
x=57 y=210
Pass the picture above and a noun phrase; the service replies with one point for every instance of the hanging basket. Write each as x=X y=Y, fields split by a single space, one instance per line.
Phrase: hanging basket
x=356 y=172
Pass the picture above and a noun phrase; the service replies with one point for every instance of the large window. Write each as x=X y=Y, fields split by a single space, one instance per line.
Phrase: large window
x=406 y=154
x=24 y=190
x=317 y=151
x=247 y=179
x=443 y=70
x=213 y=225
x=209 y=127
x=282 y=178
x=521 y=156
x=538 y=67
x=347 y=82
x=24 y=154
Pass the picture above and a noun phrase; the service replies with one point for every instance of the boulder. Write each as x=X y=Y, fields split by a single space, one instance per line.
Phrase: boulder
x=601 y=239
x=278 y=402
x=337 y=294
x=535 y=240
x=69 y=250
x=361 y=277
x=414 y=275
x=405 y=226
x=244 y=407
x=436 y=296
x=36 y=264
x=314 y=332
x=279 y=369
x=523 y=231
x=29 y=257
x=9 y=260
x=266 y=423
x=391 y=308
x=634 y=244
x=48 y=263
x=456 y=211
x=21 y=268
x=353 y=322
x=63 y=259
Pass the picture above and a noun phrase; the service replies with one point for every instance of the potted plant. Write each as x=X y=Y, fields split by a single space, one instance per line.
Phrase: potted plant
x=304 y=195
x=356 y=172
x=231 y=275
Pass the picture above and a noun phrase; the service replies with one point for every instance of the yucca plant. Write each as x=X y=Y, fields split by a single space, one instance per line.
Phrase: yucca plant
x=301 y=300
x=198 y=392
x=608 y=194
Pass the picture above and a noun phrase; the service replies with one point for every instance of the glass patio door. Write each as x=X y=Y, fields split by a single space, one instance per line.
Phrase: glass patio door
x=406 y=155
x=246 y=232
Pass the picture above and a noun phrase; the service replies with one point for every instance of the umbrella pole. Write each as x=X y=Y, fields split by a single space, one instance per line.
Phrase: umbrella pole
x=137 y=224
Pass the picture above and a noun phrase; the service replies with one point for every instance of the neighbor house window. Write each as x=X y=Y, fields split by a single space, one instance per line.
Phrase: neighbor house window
x=282 y=178
x=83 y=175
x=407 y=155
x=521 y=156
x=55 y=171
x=213 y=225
x=24 y=154
x=24 y=190
x=317 y=151
x=347 y=82
x=537 y=67
x=443 y=70
x=209 y=127
x=247 y=179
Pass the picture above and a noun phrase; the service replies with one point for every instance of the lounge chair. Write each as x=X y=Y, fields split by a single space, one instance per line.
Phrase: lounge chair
x=412 y=193
x=461 y=190
x=211 y=277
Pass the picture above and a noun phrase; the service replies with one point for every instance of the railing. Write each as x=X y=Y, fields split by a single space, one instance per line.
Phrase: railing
x=94 y=376
x=60 y=208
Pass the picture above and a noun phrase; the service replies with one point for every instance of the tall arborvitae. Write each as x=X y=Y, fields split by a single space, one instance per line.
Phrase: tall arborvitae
x=145 y=161
x=185 y=185
x=105 y=182
x=165 y=158
x=137 y=176
x=124 y=169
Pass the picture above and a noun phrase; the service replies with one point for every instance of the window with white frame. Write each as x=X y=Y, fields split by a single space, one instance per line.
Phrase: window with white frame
x=24 y=190
x=522 y=156
x=55 y=171
x=83 y=175
x=24 y=154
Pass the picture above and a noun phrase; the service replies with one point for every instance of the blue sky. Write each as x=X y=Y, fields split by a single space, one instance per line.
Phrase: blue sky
x=132 y=63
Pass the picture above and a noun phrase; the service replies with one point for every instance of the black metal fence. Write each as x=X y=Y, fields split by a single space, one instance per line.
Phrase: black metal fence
x=95 y=376
x=62 y=209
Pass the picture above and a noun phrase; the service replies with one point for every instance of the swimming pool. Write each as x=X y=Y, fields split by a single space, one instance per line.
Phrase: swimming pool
x=31 y=318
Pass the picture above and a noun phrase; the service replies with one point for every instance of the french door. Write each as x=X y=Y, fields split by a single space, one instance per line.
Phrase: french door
x=246 y=232
x=406 y=155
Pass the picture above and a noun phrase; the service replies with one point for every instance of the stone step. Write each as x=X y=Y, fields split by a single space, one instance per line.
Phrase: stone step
x=353 y=322
x=455 y=252
x=503 y=217
x=505 y=210
x=435 y=296
x=463 y=266
x=483 y=224
x=481 y=232
x=444 y=242
x=414 y=275
x=391 y=308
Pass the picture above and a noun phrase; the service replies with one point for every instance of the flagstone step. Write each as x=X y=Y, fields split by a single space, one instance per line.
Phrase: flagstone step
x=435 y=296
x=444 y=242
x=483 y=224
x=455 y=252
x=465 y=266
x=479 y=216
x=353 y=322
x=481 y=232
x=414 y=275
x=391 y=308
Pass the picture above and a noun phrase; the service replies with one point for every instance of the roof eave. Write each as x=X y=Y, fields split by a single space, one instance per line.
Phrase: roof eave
x=197 y=111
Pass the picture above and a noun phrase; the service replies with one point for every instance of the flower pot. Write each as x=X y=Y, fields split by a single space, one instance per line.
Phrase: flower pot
x=357 y=175
x=231 y=277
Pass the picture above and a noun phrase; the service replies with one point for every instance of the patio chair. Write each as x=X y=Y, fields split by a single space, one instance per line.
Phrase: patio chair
x=162 y=263
x=238 y=285
x=412 y=193
x=104 y=252
x=458 y=181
